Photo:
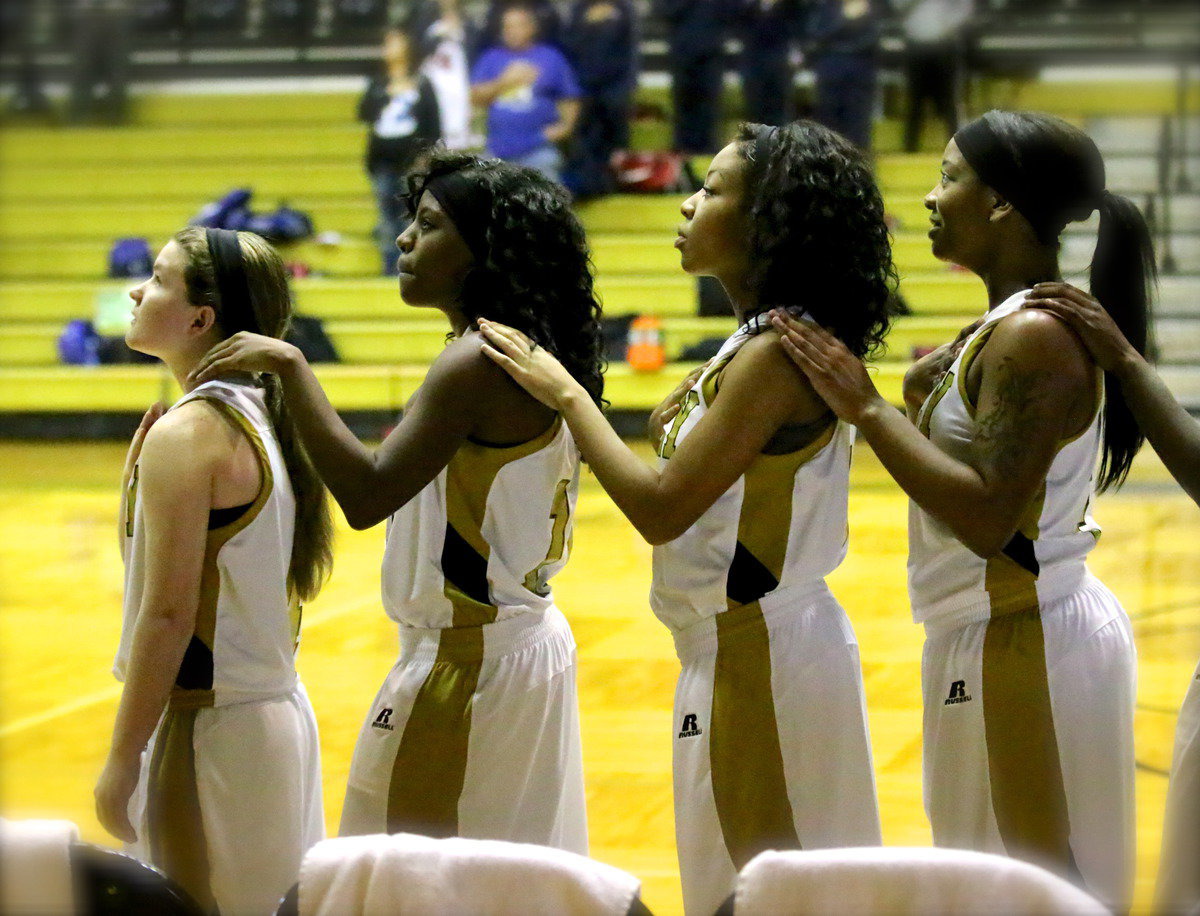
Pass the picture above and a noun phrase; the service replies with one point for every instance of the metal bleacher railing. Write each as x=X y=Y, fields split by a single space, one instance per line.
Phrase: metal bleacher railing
x=167 y=39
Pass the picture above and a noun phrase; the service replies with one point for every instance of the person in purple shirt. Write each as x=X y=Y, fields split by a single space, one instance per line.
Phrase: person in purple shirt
x=531 y=95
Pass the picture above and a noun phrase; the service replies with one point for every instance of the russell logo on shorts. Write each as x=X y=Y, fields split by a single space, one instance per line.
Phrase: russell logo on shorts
x=381 y=720
x=690 y=727
x=958 y=694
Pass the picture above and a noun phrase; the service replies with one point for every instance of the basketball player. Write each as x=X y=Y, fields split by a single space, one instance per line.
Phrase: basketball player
x=747 y=509
x=475 y=732
x=1029 y=661
x=1175 y=435
x=224 y=530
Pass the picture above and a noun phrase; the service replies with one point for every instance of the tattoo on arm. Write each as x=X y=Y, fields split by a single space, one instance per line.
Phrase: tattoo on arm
x=1003 y=433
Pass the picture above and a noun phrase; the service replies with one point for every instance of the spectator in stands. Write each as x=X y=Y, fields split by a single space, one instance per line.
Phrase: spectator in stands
x=549 y=23
x=696 y=32
x=766 y=29
x=842 y=40
x=530 y=92
x=100 y=61
x=402 y=109
x=934 y=37
x=444 y=36
x=601 y=41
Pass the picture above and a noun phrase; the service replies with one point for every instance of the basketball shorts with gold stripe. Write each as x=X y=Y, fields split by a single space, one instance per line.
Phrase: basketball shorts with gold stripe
x=229 y=800
x=1178 y=888
x=1028 y=733
x=475 y=733
x=771 y=749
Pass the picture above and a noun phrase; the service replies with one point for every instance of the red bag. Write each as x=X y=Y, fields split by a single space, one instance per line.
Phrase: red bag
x=650 y=173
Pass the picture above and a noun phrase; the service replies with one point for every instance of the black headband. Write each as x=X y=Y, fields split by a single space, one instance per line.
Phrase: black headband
x=468 y=203
x=1046 y=183
x=762 y=144
x=236 y=312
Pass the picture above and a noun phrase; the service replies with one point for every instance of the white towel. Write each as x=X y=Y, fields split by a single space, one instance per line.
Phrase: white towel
x=902 y=880
x=409 y=875
x=35 y=867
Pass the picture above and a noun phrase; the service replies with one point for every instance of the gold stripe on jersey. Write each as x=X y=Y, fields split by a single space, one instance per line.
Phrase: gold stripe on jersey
x=748 y=781
x=1010 y=577
x=175 y=826
x=431 y=761
x=131 y=500
x=190 y=695
x=1028 y=794
x=765 y=522
x=710 y=382
x=964 y=366
x=925 y=414
x=465 y=552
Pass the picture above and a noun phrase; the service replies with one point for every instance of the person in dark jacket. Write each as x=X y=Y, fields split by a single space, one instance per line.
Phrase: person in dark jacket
x=696 y=31
x=601 y=43
x=402 y=110
x=842 y=45
x=767 y=29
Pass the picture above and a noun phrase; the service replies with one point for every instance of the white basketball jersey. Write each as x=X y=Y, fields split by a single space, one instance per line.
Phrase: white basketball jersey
x=782 y=523
x=481 y=542
x=247 y=626
x=948 y=584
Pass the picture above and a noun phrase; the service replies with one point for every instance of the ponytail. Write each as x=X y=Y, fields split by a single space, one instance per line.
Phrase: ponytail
x=1122 y=274
x=312 y=541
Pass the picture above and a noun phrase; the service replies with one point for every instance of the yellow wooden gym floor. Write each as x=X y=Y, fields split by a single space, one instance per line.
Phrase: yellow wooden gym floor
x=60 y=594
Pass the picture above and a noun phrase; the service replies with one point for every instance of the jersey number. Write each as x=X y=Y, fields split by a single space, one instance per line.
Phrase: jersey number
x=560 y=514
x=690 y=402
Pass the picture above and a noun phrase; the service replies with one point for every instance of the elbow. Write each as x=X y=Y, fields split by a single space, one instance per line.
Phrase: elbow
x=988 y=541
x=659 y=531
x=360 y=519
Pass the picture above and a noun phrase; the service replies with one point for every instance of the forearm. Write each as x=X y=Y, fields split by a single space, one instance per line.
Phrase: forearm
x=345 y=465
x=159 y=643
x=483 y=94
x=1172 y=431
x=952 y=492
x=631 y=484
x=568 y=115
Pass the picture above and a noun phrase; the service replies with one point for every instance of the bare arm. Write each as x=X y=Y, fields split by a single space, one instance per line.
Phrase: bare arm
x=1035 y=383
x=370 y=485
x=518 y=73
x=759 y=393
x=180 y=458
x=568 y=115
x=1172 y=431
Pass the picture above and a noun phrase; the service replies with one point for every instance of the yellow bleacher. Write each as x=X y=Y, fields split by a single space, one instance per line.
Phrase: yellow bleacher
x=66 y=194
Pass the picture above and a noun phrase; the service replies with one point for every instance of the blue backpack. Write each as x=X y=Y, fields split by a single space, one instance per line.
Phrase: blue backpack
x=130 y=258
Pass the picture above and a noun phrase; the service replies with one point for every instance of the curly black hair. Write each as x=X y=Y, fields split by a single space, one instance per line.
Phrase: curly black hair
x=817 y=235
x=537 y=276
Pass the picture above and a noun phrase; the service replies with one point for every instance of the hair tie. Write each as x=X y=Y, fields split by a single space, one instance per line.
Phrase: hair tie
x=236 y=312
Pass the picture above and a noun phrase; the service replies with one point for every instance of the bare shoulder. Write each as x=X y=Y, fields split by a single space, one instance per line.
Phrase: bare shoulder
x=462 y=362
x=195 y=434
x=1038 y=338
x=761 y=365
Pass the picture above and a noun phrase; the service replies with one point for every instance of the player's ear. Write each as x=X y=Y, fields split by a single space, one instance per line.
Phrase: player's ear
x=204 y=319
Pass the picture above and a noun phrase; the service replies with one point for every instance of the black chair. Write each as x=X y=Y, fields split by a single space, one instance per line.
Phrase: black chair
x=109 y=883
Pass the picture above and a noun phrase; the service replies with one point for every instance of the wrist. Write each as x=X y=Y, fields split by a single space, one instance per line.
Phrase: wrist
x=871 y=412
x=288 y=362
x=1128 y=363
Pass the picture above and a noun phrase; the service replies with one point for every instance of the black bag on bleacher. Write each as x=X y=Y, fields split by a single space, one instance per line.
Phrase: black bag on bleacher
x=308 y=335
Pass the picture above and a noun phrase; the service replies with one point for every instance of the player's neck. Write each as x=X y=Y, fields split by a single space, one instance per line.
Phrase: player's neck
x=1018 y=270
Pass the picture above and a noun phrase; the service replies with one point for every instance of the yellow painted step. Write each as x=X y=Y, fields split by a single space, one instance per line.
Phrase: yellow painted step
x=131 y=389
x=420 y=341
x=352 y=216
x=613 y=255
x=952 y=293
x=117 y=147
